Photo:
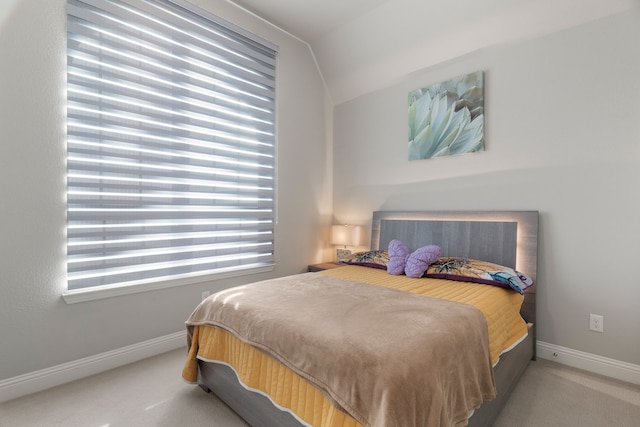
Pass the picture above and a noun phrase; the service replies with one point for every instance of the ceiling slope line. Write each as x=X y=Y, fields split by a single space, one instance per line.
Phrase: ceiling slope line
x=313 y=55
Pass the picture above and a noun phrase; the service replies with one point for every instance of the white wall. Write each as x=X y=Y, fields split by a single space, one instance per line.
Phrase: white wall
x=375 y=49
x=562 y=137
x=37 y=328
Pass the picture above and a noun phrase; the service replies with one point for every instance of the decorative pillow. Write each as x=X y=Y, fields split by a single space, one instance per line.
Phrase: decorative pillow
x=420 y=259
x=398 y=255
x=471 y=270
x=412 y=264
x=373 y=259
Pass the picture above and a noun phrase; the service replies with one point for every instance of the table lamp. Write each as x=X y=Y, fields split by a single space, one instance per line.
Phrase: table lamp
x=345 y=235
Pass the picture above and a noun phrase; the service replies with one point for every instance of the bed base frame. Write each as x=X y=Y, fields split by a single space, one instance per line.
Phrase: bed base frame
x=471 y=234
x=258 y=410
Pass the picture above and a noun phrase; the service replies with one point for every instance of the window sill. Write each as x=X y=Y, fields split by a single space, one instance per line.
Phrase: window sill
x=102 y=292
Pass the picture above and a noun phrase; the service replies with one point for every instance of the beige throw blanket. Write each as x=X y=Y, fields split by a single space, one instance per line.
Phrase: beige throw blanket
x=386 y=357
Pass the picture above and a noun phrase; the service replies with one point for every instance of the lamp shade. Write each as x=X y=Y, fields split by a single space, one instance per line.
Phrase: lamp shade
x=346 y=235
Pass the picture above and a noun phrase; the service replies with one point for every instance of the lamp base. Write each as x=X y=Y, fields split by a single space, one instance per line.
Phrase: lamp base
x=342 y=253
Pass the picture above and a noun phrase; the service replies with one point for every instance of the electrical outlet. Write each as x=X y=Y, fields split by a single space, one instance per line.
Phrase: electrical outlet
x=596 y=323
x=205 y=294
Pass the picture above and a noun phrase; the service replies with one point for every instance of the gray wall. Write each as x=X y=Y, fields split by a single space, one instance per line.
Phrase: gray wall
x=37 y=328
x=562 y=137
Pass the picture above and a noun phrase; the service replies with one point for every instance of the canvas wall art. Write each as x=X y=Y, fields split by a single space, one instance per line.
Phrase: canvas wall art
x=447 y=118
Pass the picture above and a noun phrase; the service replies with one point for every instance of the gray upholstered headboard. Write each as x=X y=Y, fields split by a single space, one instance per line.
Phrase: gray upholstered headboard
x=503 y=237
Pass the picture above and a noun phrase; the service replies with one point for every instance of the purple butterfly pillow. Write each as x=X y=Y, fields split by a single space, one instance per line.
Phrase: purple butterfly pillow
x=419 y=260
x=398 y=255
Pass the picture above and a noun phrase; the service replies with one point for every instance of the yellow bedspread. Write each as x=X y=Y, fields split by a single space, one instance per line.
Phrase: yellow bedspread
x=500 y=307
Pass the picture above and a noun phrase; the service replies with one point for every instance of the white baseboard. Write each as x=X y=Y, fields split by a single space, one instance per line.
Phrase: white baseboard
x=623 y=371
x=32 y=382
x=23 y=385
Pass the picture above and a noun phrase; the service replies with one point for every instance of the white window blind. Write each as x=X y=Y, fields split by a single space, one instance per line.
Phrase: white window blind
x=171 y=144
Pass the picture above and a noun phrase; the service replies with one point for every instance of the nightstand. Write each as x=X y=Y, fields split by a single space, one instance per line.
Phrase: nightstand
x=324 y=266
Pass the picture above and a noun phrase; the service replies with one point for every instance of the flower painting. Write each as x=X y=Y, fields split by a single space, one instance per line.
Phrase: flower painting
x=447 y=118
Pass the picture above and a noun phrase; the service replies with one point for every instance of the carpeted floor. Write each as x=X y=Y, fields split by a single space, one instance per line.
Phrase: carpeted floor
x=554 y=395
x=149 y=393
x=152 y=393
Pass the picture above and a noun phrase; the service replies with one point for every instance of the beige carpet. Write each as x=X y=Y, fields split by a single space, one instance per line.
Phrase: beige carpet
x=148 y=393
x=152 y=393
x=550 y=394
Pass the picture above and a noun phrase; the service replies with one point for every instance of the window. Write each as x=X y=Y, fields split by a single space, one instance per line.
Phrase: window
x=171 y=145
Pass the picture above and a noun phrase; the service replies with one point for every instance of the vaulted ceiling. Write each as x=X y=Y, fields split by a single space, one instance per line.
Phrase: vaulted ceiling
x=364 y=45
x=309 y=20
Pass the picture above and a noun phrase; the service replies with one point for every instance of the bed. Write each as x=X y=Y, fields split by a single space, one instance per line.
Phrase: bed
x=275 y=391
